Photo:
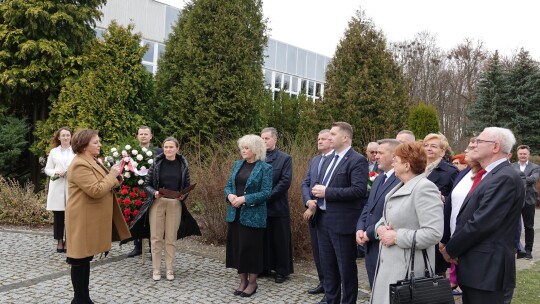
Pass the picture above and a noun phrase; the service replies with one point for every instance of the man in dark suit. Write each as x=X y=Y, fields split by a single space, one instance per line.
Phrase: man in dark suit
x=277 y=253
x=371 y=152
x=341 y=194
x=310 y=202
x=483 y=243
x=372 y=213
x=529 y=173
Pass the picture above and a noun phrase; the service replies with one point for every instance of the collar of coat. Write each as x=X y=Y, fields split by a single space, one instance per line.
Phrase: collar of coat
x=93 y=162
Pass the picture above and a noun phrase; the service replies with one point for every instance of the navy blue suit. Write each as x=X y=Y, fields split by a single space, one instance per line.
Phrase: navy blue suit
x=371 y=215
x=484 y=236
x=336 y=227
x=309 y=181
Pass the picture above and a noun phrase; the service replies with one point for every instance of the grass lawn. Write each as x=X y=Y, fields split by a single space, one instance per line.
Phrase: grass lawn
x=527 y=290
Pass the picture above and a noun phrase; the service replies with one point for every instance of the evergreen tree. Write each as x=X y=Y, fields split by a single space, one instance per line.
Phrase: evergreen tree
x=209 y=84
x=491 y=107
x=41 y=41
x=524 y=99
x=423 y=120
x=365 y=86
x=113 y=93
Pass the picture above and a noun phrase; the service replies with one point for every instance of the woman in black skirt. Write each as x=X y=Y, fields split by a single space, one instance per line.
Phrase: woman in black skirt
x=246 y=192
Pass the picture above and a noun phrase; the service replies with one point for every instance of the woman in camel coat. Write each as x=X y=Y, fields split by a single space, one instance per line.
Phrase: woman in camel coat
x=93 y=218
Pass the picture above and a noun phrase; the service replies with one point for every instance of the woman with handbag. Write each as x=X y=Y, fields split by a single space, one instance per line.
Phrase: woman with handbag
x=414 y=206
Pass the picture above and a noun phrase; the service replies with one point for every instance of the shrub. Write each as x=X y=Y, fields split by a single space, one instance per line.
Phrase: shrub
x=19 y=205
x=210 y=169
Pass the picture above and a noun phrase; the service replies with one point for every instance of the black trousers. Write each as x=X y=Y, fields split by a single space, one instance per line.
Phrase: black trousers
x=277 y=246
x=527 y=212
x=476 y=296
x=58 y=225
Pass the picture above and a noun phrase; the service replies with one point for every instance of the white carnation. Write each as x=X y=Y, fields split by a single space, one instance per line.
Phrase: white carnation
x=139 y=157
x=126 y=159
x=144 y=149
x=149 y=153
x=128 y=147
x=126 y=168
x=113 y=149
x=150 y=161
x=127 y=175
x=134 y=152
x=115 y=154
x=134 y=163
x=140 y=182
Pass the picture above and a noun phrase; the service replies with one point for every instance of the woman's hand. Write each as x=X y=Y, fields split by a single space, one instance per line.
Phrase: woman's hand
x=231 y=197
x=115 y=170
x=60 y=173
x=157 y=194
x=239 y=201
x=388 y=238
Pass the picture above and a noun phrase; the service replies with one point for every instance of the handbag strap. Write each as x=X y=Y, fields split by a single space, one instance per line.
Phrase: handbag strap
x=428 y=270
x=411 y=262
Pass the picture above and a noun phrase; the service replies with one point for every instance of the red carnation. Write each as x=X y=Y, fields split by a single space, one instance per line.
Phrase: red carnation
x=138 y=203
x=133 y=194
x=127 y=202
x=124 y=191
x=125 y=186
x=143 y=194
x=119 y=200
x=127 y=212
x=135 y=213
x=135 y=189
x=126 y=218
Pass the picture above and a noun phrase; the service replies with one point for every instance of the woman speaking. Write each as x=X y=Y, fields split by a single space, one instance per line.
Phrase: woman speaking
x=92 y=214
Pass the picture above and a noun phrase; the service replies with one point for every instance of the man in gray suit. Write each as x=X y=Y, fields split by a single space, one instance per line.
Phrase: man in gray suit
x=529 y=173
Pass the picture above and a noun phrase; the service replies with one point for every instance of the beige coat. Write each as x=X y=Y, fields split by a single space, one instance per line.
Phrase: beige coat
x=414 y=206
x=93 y=217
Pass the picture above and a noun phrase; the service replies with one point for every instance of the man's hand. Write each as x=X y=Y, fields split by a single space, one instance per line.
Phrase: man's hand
x=310 y=211
x=318 y=191
x=361 y=237
x=446 y=256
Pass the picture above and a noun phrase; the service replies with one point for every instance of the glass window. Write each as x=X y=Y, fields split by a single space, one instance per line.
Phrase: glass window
x=149 y=55
x=286 y=83
x=277 y=81
x=310 y=88
x=160 y=49
x=291 y=59
x=320 y=68
x=303 y=86
x=281 y=57
x=318 y=89
x=268 y=78
x=294 y=84
x=149 y=67
x=270 y=55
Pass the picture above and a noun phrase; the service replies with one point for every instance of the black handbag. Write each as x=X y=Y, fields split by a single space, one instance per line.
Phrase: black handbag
x=430 y=289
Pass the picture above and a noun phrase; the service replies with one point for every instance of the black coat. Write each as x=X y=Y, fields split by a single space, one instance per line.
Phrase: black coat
x=140 y=228
x=278 y=203
x=443 y=177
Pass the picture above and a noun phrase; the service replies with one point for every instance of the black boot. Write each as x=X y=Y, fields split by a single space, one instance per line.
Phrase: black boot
x=137 y=248
x=87 y=283
x=78 y=281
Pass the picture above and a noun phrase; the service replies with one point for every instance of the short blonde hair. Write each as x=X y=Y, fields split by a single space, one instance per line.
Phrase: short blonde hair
x=443 y=141
x=255 y=143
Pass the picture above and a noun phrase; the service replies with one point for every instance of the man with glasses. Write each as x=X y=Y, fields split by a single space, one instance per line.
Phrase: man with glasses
x=482 y=245
x=371 y=152
x=529 y=173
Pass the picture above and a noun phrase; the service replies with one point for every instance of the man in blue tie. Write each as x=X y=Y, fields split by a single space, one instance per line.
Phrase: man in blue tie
x=341 y=194
x=310 y=202
x=372 y=213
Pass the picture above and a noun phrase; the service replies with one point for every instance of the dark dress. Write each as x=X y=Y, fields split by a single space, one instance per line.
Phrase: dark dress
x=244 y=244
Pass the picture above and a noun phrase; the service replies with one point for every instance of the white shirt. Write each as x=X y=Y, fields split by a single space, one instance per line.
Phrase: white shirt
x=458 y=197
x=523 y=166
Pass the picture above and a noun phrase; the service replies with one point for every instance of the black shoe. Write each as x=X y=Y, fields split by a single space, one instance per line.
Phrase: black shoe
x=247 y=295
x=323 y=300
x=317 y=290
x=280 y=278
x=237 y=292
x=521 y=254
x=528 y=256
x=134 y=253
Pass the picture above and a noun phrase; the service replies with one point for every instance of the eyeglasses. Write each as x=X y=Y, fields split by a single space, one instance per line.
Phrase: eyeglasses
x=372 y=152
x=479 y=141
x=455 y=163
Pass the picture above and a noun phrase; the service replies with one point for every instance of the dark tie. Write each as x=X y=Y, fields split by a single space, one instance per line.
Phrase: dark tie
x=320 y=201
x=383 y=179
x=329 y=172
x=320 y=165
x=477 y=179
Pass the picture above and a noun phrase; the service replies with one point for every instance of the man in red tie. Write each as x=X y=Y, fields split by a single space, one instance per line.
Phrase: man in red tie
x=482 y=245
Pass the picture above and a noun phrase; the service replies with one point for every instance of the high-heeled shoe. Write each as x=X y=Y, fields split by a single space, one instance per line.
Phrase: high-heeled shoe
x=237 y=292
x=247 y=295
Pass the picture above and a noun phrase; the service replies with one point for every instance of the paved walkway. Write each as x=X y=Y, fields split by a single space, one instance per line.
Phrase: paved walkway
x=32 y=272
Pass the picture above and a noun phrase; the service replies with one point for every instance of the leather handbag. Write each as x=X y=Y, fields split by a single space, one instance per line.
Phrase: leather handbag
x=430 y=289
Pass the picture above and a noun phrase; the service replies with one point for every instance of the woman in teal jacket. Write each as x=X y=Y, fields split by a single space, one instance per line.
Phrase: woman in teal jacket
x=246 y=192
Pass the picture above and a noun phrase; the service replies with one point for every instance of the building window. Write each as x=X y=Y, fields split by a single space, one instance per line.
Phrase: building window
x=277 y=81
x=303 y=86
x=286 y=83
x=294 y=85
x=318 y=89
x=149 y=55
x=268 y=79
x=310 y=88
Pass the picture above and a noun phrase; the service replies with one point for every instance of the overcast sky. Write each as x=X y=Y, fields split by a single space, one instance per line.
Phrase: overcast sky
x=318 y=25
